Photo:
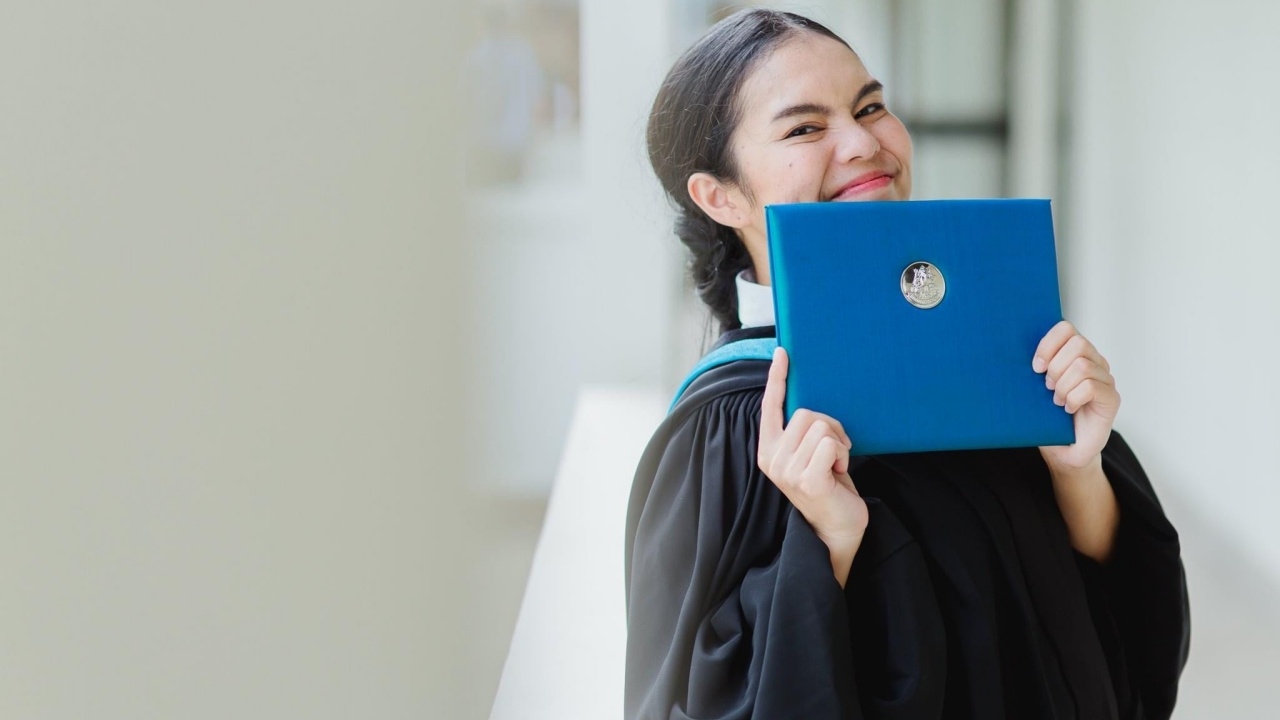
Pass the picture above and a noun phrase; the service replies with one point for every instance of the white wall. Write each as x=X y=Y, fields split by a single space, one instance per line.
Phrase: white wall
x=1174 y=245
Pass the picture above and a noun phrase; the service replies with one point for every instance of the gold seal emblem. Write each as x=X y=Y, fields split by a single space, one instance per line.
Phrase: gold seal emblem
x=923 y=285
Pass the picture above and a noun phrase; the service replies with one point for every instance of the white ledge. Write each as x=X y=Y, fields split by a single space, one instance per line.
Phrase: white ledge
x=567 y=651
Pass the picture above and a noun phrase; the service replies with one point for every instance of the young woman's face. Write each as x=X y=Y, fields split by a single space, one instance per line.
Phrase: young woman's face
x=813 y=127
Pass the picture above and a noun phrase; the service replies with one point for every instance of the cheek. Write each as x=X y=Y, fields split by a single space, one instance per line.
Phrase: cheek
x=893 y=137
x=772 y=182
x=801 y=179
x=793 y=174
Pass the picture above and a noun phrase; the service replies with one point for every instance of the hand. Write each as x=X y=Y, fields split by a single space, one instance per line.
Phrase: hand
x=809 y=462
x=1082 y=384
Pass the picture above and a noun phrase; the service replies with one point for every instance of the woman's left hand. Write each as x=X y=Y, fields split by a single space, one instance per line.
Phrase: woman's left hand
x=1081 y=381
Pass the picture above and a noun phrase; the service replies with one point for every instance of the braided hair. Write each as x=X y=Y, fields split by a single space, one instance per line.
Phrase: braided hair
x=693 y=118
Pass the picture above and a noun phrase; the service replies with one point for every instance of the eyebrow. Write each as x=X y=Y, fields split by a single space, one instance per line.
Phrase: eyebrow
x=816 y=109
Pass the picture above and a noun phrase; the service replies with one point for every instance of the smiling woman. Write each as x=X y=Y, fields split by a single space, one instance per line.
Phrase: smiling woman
x=769 y=574
x=817 y=128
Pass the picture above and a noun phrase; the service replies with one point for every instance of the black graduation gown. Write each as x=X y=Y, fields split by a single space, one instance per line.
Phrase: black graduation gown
x=965 y=599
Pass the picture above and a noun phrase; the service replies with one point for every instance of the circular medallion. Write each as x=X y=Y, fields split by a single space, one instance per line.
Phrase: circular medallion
x=923 y=285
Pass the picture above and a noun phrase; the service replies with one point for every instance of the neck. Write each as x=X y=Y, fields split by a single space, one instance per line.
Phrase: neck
x=760 y=268
x=758 y=250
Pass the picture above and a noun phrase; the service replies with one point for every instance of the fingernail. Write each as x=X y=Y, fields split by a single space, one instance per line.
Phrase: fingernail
x=1038 y=365
x=1049 y=383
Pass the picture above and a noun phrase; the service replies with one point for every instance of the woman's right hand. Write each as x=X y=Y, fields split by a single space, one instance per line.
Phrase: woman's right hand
x=809 y=462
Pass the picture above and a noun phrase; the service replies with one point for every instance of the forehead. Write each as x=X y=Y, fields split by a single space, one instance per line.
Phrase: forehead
x=805 y=68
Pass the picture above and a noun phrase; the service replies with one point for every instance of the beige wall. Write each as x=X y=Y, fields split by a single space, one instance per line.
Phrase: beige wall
x=227 y=484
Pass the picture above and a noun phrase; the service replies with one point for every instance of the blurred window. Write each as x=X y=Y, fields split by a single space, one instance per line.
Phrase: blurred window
x=523 y=175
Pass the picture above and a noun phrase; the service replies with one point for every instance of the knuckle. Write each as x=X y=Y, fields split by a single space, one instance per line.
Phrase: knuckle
x=799 y=466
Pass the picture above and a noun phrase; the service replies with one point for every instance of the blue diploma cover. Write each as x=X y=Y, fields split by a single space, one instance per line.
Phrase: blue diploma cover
x=914 y=323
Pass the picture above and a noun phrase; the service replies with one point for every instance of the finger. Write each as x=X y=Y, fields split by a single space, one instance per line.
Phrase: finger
x=1082 y=395
x=802 y=459
x=1080 y=370
x=840 y=431
x=826 y=455
x=1050 y=344
x=1078 y=346
x=836 y=426
x=799 y=426
x=797 y=430
x=775 y=392
x=777 y=459
x=1095 y=392
x=841 y=468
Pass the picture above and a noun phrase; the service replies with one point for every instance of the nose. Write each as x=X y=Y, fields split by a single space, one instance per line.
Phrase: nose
x=854 y=142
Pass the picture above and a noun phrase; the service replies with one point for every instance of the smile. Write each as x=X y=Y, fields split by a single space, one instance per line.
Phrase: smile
x=862 y=185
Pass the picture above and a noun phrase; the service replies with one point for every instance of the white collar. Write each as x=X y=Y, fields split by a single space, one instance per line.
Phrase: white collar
x=755 y=302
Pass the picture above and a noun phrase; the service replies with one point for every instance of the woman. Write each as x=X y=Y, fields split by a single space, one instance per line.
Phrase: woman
x=770 y=575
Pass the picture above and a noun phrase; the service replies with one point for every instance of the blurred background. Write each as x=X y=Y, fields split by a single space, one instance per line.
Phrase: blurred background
x=1145 y=122
x=300 y=304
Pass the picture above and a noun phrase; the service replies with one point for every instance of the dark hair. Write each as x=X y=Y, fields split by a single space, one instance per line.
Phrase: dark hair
x=693 y=117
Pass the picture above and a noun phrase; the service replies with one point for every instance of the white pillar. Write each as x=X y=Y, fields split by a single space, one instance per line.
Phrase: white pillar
x=1033 y=100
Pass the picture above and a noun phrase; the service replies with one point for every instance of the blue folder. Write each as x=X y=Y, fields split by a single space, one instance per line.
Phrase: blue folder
x=902 y=376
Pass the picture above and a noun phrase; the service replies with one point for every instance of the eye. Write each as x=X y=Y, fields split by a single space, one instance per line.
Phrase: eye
x=870 y=109
x=803 y=130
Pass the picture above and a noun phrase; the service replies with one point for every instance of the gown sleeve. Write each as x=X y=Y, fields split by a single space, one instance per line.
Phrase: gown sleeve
x=1139 y=598
x=732 y=608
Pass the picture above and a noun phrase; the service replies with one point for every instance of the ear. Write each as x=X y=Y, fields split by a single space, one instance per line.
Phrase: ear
x=722 y=203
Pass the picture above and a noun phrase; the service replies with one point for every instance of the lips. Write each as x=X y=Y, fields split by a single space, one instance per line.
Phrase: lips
x=865 y=183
